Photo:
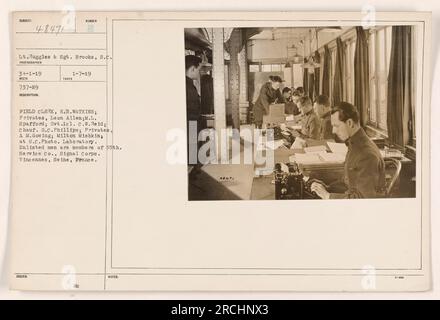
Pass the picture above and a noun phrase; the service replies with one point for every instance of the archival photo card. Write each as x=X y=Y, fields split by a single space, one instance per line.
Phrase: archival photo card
x=134 y=133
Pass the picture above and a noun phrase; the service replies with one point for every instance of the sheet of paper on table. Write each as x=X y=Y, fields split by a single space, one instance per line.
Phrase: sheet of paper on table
x=275 y=144
x=337 y=147
x=298 y=144
x=329 y=157
x=315 y=149
x=317 y=158
x=306 y=158
x=296 y=127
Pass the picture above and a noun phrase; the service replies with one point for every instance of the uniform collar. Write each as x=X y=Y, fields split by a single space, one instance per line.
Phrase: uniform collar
x=357 y=138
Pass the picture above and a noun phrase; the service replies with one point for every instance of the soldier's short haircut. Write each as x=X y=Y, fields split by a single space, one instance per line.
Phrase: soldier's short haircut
x=286 y=89
x=192 y=61
x=276 y=79
x=296 y=93
x=300 y=90
x=346 y=111
x=323 y=100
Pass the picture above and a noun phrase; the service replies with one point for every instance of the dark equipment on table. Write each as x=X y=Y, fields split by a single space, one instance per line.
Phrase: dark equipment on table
x=286 y=136
x=292 y=184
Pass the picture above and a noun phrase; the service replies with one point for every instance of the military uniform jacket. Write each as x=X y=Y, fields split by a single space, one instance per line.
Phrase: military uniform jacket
x=268 y=95
x=193 y=107
x=310 y=125
x=326 y=129
x=364 y=169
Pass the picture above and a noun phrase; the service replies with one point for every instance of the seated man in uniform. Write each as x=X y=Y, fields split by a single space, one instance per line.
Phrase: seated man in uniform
x=296 y=95
x=290 y=106
x=287 y=94
x=300 y=91
x=309 y=121
x=364 y=168
x=323 y=110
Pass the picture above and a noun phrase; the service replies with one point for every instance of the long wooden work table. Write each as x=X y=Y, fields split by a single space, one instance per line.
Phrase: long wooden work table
x=242 y=181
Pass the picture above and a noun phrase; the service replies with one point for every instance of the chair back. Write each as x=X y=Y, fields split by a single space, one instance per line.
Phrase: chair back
x=392 y=172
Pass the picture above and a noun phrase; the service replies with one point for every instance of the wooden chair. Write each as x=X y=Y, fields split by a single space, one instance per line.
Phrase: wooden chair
x=392 y=173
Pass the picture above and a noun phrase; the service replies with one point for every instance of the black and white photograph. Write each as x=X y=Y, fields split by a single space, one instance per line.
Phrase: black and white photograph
x=287 y=113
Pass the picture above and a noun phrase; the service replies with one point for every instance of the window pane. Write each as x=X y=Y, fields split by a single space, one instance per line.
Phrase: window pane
x=388 y=44
x=383 y=117
x=353 y=51
x=276 y=67
x=380 y=78
x=321 y=72
x=333 y=65
x=347 y=73
x=383 y=84
x=381 y=50
x=254 y=68
x=333 y=61
x=382 y=75
x=266 y=68
x=372 y=46
x=372 y=54
x=372 y=113
x=297 y=75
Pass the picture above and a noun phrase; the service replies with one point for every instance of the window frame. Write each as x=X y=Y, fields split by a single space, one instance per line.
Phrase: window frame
x=380 y=83
x=350 y=48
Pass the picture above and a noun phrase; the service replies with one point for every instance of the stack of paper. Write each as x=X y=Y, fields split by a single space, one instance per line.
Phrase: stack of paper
x=391 y=153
